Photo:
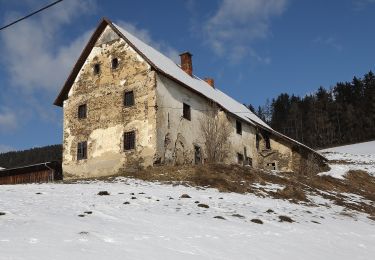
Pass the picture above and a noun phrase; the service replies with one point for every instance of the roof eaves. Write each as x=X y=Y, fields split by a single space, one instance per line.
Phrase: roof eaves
x=81 y=60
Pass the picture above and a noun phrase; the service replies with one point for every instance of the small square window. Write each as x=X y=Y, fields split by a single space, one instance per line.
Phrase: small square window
x=82 y=150
x=186 y=112
x=114 y=63
x=96 y=68
x=129 y=140
x=82 y=111
x=272 y=166
x=238 y=127
x=129 y=99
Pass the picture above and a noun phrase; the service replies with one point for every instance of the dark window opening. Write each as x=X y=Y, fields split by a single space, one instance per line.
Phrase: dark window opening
x=272 y=166
x=249 y=161
x=96 y=68
x=82 y=111
x=82 y=150
x=239 y=158
x=198 y=155
x=114 y=63
x=129 y=140
x=129 y=99
x=187 y=112
x=238 y=127
x=257 y=140
x=268 y=142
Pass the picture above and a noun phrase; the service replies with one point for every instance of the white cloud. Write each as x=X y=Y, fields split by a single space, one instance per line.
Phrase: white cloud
x=237 y=24
x=145 y=36
x=8 y=120
x=329 y=41
x=32 y=51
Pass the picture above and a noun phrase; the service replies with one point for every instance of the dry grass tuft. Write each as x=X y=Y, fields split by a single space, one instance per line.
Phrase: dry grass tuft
x=293 y=193
x=235 y=178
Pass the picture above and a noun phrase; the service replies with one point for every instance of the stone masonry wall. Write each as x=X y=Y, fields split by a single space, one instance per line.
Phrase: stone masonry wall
x=107 y=117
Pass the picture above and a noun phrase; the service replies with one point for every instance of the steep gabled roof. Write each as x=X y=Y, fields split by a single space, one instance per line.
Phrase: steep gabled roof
x=168 y=68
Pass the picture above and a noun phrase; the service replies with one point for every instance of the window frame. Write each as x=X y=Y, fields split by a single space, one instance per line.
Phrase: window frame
x=82 y=150
x=129 y=144
x=82 y=115
x=186 y=111
x=132 y=100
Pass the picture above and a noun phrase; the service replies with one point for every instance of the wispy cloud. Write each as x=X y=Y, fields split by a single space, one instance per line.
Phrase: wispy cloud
x=8 y=120
x=238 y=24
x=362 y=4
x=37 y=58
x=32 y=51
x=145 y=36
x=330 y=41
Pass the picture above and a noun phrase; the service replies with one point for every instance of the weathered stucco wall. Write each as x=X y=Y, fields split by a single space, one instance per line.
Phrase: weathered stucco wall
x=107 y=117
x=279 y=157
x=177 y=136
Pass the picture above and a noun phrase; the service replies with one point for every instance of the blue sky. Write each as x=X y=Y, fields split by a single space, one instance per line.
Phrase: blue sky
x=254 y=49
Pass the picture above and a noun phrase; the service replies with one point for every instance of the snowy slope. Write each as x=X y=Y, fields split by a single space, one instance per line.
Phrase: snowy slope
x=159 y=225
x=359 y=156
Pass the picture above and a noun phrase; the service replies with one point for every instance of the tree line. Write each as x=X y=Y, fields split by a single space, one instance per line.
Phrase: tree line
x=341 y=115
x=31 y=156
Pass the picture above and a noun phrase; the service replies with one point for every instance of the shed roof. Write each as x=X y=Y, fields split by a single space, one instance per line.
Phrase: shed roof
x=31 y=168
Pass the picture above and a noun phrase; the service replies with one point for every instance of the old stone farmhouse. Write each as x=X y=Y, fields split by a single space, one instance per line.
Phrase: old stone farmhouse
x=128 y=106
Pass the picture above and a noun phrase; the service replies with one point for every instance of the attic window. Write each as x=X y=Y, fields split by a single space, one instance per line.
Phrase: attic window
x=186 y=112
x=129 y=99
x=114 y=63
x=238 y=127
x=96 y=68
x=82 y=111
x=82 y=150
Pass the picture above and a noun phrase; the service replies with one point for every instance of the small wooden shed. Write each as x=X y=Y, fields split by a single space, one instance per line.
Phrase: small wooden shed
x=36 y=173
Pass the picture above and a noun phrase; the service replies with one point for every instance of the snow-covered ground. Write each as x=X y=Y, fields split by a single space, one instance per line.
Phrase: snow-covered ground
x=359 y=156
x=43 y=222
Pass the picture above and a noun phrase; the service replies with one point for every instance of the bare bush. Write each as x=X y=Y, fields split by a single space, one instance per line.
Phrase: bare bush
x=216 y=131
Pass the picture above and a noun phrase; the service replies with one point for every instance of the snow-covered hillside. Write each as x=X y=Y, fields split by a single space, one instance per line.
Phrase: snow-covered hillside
x=143 y=220
x=359 y=156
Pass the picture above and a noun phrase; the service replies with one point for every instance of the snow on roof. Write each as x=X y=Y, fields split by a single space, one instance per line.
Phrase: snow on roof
x=167 y=66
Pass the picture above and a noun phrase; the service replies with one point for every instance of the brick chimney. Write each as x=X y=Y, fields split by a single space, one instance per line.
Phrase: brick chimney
x=210 y=82
x=186 y=63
